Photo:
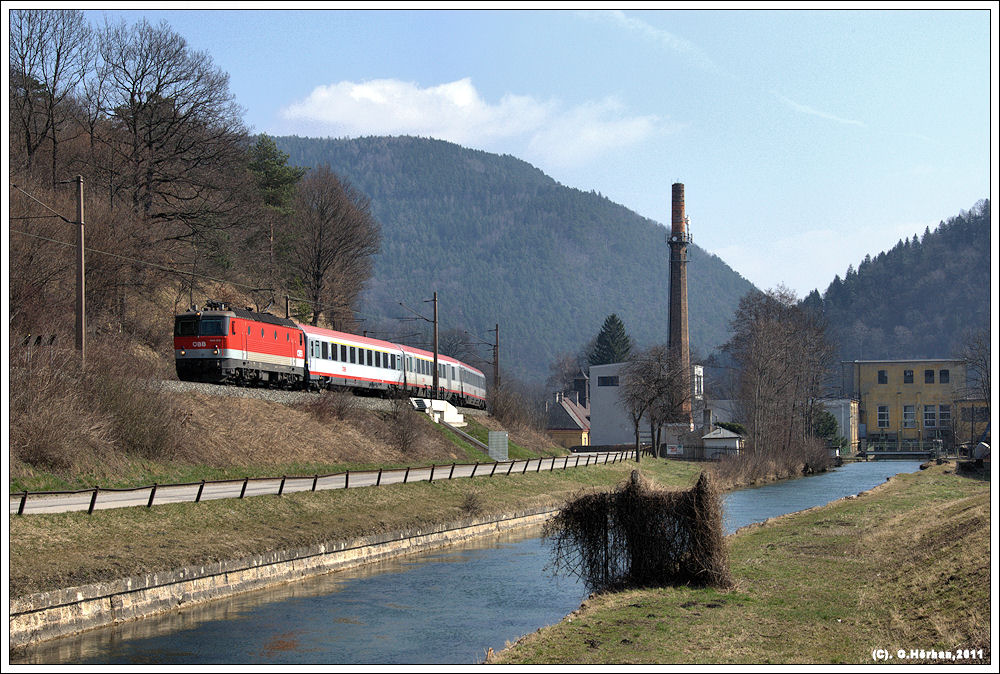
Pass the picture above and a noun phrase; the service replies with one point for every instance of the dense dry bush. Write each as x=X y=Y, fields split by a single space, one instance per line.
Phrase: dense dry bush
x=641 y=536
x=750 y=467
x=66 y=420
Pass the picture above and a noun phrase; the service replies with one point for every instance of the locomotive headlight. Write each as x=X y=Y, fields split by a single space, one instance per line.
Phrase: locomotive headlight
x=215 y=352
x=183 y=352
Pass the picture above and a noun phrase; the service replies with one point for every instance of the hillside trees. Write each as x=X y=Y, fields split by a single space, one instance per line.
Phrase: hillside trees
x=173 y=132
x=335 y=239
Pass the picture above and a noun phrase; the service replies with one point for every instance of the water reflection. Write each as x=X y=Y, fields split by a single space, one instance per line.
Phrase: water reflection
x=446 y=606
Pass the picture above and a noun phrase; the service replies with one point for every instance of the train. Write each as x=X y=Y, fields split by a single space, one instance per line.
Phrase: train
x=222 y=344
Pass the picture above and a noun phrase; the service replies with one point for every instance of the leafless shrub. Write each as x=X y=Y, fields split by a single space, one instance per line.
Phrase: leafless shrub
x=331 y=406
x=401 y=427
x=640 y=536
x=472 y=504
x=750 y=467
x=514 y=408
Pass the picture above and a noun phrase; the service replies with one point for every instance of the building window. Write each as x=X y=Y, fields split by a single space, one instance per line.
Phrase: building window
x=930 y=416
x=883 y=377
x=928 y=376
x=944 y=415
x=883 y=416
x=607 y=381
x=976 y=414
x=944 y=376
x=909 y=416
x=907 y=376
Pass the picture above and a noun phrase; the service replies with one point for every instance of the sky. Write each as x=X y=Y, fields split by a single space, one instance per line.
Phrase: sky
x=805 y=138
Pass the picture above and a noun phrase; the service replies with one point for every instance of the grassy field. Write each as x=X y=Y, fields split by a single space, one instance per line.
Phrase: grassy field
x=55 y=551
x=904 y=566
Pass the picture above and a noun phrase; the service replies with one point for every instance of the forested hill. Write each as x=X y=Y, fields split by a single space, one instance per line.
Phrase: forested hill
x=501 y=242
x=917 y=300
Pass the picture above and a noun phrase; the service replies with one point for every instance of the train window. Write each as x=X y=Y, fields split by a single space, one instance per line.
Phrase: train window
x=300 y=339
x=378 y=359
x=186 y=327
x=212 y=327
x=234 y=327
x=248 y=330
x=326 y=352
x=333 y=351
x=343 y=353
x=371 y=358
x=262 y=333
x=354 y=355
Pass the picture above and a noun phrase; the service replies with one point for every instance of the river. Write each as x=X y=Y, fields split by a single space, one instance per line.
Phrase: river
x=442 y=607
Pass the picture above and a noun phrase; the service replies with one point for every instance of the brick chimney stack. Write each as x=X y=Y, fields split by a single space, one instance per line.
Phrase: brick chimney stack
x=679 y=341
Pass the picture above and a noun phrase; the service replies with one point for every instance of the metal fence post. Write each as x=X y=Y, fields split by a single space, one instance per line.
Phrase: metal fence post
x=378 y=480
x=451 y=472
x=432 y=473
x=525 y=467
x=152 y=494
x=495 y=463
x=201 y=488
x=93 y=501
x=244 y=489
x=315 y=480
x=347 y=480
x=510 y=467
x=474 y=469
x=281 y=487
x=406 y=474
x=24 y=499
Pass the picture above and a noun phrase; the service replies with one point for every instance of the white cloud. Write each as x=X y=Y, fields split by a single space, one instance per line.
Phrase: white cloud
x=547 y=131
x=818 y=113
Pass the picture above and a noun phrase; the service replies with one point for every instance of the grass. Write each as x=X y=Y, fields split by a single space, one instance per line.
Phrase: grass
x=906 y=565
x=54 y=551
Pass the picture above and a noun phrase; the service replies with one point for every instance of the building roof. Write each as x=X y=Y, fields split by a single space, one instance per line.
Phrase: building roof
x=566 y=415
x=720 y=434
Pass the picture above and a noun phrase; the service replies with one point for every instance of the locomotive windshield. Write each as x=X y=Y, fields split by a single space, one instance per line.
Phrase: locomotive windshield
x=206 y=327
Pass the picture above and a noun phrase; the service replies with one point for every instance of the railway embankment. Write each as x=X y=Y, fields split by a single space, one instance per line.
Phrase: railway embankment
x=898 y=574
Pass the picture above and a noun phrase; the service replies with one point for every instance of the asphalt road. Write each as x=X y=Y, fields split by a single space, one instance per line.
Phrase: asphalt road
x=124 y=498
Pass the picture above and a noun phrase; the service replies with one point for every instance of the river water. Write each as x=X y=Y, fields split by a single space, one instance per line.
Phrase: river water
x=442 y=607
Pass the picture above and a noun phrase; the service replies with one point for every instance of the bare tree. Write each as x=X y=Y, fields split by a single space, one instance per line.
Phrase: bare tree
x=783 y=355
x=50 y=50
x=655 y=386
x=170 y=126
x=975 y=353
x=336 y=237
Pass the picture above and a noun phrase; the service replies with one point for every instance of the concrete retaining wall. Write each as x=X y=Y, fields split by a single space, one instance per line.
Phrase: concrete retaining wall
x=47 y=615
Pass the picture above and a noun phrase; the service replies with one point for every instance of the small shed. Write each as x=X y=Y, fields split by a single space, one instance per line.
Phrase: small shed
x=721 y=442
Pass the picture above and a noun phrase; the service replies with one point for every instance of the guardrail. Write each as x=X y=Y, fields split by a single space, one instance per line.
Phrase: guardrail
x=26 y=502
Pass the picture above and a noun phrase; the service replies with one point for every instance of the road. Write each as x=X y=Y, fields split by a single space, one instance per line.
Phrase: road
x=102 y=499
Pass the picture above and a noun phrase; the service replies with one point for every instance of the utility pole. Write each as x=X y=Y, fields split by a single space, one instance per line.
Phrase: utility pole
x=496 y=360
x=81 y=324
x=437 y=372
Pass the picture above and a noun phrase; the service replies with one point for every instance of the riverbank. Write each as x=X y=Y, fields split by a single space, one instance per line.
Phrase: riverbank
x=903 y=566
x=57 y=553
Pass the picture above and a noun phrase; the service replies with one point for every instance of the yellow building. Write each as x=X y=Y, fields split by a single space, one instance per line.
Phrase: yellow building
x=905 y=402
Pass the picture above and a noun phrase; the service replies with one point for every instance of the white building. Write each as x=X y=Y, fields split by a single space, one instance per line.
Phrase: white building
x=610 y=422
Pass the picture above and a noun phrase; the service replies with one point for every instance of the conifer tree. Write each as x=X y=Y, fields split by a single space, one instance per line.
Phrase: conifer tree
x=613 y=343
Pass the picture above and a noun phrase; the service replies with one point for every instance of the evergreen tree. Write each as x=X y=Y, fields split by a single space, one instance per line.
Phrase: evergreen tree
x=613 y=343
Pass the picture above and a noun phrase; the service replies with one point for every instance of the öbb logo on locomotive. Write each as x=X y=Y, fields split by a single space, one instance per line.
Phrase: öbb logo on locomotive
x=227 y=345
